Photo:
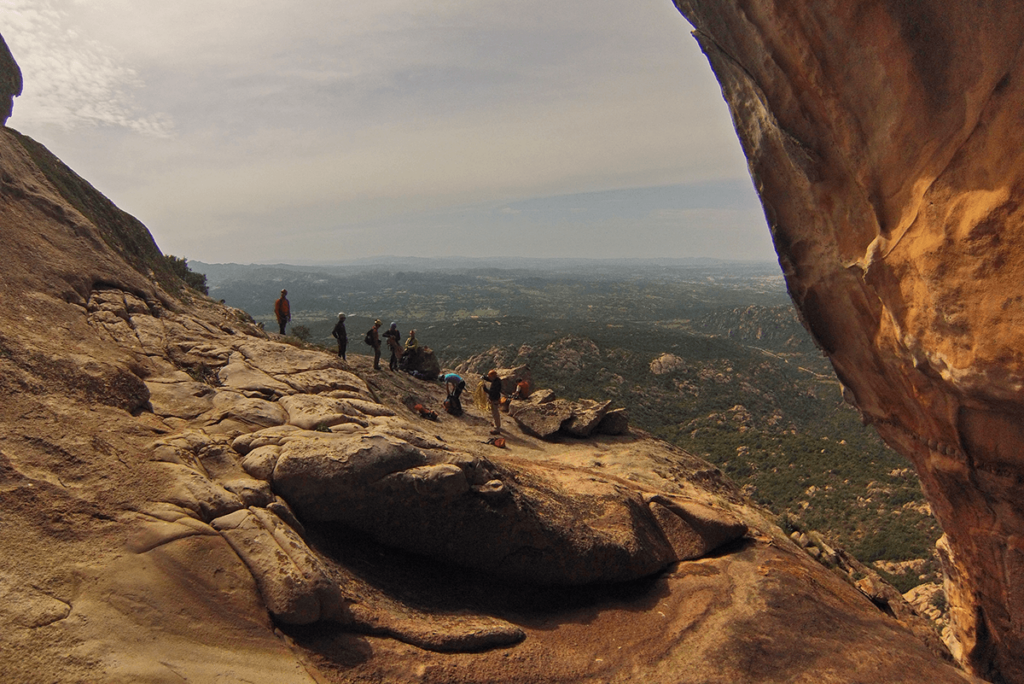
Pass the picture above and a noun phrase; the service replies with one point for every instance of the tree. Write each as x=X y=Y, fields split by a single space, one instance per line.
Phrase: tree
x=179 y=266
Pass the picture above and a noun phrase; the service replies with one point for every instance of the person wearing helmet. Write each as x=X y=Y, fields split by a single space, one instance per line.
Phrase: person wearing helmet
x=339 y=334
x=394 y=339
x=282 y=310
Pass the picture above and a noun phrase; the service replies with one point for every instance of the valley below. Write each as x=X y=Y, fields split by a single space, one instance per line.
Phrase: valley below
x=709 y=356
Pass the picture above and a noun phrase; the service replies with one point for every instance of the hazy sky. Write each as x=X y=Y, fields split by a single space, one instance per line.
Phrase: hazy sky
x=265 y=130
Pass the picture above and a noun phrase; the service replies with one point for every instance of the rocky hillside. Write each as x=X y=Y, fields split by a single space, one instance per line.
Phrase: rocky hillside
x=185 y=498
x=775 y=328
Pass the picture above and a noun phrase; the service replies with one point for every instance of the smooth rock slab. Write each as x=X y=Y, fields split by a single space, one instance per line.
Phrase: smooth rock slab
x=310 y=411
x=519 y=523
x=291 y=580
x=188 y=489
x=255 y=413
x=283 y=359
x=239 y=376
x=185 y=400
x=327 y=380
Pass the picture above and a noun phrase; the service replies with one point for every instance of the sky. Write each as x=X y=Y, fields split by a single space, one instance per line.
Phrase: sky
x=264 y=131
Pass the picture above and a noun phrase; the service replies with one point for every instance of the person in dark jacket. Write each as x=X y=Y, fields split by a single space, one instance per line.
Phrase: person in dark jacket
x=494 y=397
x=394 y=339
x=282 y=310
x=375 y=343
x=339 y=334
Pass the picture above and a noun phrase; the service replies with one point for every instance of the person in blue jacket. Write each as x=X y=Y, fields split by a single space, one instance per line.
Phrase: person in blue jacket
x=455 y=385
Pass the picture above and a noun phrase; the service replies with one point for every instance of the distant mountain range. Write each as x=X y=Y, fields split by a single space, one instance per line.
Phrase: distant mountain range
x=468 y=263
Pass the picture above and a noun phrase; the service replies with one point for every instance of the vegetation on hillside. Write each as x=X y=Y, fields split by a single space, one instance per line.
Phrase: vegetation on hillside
x=180 y=268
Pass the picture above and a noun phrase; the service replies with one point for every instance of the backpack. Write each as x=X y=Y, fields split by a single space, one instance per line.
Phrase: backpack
x=369 y=337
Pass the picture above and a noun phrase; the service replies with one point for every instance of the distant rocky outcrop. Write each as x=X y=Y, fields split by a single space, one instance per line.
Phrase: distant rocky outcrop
x=884 y=139
x=666 y=363
x=769 y=327
x=185 y=499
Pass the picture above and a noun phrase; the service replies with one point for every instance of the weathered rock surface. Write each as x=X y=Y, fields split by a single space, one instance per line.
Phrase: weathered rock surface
x=885 y=141
x=163 y=521
x=291 y=581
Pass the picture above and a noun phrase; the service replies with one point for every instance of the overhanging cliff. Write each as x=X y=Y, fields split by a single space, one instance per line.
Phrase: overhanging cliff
x=885 y=141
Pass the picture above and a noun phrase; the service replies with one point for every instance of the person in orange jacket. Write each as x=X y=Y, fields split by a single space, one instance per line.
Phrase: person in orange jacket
x=283 y=310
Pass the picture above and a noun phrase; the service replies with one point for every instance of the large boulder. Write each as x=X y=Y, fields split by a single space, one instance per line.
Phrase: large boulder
x=421 y=361
x=541 y=419
x=885 y=141
x=546 y=526
x=587 y=414
x=544 y=416
x=614 y=422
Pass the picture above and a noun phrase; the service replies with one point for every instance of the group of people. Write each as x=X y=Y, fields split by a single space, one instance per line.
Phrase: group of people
x=394 y=340
x=283 y=314
x=453 y=382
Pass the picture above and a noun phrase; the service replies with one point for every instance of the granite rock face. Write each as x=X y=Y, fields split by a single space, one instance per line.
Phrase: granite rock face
x=885 y=141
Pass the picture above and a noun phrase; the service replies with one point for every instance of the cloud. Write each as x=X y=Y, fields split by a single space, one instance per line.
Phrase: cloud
x=71 y=81
x=333 y=123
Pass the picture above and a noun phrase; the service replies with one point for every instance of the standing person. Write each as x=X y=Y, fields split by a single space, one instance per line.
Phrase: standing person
x=339 y=334
x=374 y=338
x=412 y=343
x=395 y=345
x=283 y=310
x=494 y=397
x=454 y=384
